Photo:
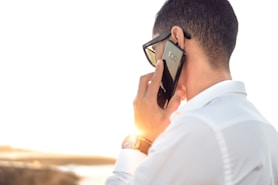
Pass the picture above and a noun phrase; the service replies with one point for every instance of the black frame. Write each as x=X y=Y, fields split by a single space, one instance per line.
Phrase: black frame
x=160 y=38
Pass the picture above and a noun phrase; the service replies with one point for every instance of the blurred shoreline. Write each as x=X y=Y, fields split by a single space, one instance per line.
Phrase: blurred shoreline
x=22 y=166
x=8 y=153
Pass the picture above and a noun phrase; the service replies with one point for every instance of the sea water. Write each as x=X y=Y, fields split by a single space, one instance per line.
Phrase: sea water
x=91 y=175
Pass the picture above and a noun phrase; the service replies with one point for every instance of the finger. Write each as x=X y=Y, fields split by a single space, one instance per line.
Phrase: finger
x=155 y=80
x=175 y=101
x=143 y=85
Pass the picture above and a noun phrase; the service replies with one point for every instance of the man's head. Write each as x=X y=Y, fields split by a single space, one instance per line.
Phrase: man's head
x=212 y=23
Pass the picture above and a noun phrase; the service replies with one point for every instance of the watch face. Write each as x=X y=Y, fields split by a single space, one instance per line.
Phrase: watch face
x=131 y=142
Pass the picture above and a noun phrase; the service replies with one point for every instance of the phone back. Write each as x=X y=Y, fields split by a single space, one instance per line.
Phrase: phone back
x=173 y=58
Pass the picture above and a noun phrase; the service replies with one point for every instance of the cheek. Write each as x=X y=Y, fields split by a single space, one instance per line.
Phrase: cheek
x=159 y=51
x=158 y=54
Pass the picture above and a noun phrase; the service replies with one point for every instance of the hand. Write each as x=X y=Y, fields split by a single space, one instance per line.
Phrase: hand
x=150 y=119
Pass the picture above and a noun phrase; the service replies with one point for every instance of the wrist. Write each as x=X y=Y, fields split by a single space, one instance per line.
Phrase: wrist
x=128 y=161
x=137 y=143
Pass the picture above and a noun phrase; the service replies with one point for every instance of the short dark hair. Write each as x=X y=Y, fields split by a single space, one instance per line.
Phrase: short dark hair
x=212 y=23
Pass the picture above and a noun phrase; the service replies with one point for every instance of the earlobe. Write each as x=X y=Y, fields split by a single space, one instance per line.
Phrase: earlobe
x=178 y=36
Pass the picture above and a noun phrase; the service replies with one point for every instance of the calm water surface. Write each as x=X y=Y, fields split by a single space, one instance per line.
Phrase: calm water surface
x=93 y=175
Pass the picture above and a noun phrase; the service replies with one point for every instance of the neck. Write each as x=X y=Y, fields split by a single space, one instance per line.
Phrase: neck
x=203 y=81
x=198 y=74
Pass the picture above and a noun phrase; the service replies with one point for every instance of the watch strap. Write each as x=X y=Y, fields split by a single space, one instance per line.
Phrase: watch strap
x=137 y=142
x=145 y=144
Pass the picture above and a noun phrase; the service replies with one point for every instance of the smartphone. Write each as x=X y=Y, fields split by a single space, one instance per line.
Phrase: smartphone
x=173 y=59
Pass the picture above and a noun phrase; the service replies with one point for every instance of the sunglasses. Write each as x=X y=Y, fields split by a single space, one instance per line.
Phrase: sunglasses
x=148 y=50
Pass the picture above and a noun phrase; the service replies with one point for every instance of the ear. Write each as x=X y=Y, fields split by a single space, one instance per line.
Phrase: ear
x=177 y=36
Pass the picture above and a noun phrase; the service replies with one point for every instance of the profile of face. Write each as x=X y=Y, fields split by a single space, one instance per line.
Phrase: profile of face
x=154 y=51
x=159 y=49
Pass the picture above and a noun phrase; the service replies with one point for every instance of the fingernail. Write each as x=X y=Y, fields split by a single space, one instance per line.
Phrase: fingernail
x=158 y=62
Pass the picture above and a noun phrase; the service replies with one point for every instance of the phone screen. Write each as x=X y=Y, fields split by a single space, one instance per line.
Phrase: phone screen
x=173 y=59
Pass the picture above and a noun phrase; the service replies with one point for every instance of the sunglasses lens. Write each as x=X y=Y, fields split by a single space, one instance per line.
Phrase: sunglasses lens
x=151 y=56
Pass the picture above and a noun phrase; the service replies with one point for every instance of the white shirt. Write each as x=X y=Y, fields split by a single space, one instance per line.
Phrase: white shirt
x=216 y=138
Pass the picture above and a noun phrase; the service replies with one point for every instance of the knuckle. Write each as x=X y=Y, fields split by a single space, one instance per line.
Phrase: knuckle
x=135 y=102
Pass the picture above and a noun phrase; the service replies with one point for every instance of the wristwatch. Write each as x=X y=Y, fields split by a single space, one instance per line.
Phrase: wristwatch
x=137 y=143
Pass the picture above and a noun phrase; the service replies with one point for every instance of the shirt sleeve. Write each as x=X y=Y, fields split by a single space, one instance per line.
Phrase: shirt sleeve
x=119 y=178
x=126 y=164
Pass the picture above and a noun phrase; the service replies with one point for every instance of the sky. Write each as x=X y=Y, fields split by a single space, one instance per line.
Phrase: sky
x=69 y=69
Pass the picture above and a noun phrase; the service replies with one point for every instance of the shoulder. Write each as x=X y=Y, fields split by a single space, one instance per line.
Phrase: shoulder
x=188 y=147
x=183 y=131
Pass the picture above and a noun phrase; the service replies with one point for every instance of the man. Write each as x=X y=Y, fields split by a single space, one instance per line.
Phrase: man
x=216 y=137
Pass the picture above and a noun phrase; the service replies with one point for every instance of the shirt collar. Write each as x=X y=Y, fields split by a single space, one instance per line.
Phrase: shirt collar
x=206 y=96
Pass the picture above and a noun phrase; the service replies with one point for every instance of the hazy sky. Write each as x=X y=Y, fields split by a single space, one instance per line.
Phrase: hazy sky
x=69 y=69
